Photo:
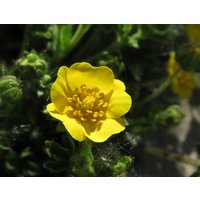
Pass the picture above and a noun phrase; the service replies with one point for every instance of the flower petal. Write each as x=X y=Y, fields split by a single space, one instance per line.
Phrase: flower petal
x=173 y=65
x=108 y=128
x=75 y=130
x=184 y=84
x=59 y=90
x=84 y=73
x=120 y=102
x=119 y=84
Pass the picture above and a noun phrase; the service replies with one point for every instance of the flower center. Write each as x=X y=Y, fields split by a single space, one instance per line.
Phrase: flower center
x=88 y=105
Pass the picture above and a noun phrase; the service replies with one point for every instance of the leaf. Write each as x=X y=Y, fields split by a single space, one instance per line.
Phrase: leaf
x=120 y=168
x=171 y=114
x=56 y=151
x=65 y=37
x=55 y=166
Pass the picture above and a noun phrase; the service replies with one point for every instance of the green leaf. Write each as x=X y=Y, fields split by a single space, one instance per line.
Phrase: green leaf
x=172 y=114
x=65 y=37
x=56 y=151
x=121 y=166
x=55 y=166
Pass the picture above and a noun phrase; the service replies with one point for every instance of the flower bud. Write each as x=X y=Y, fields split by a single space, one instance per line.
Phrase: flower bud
x=34 y=61
x=10 y=94
x=45 y=80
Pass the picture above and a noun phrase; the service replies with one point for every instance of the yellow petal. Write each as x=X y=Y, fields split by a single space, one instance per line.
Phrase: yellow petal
x=173 y=65
x=184 y=84
x=108 y=128
x=59 y=90
x=120 y=102
x=74 y=128
x=193 y=33
x=119 y=84
x=84 y=73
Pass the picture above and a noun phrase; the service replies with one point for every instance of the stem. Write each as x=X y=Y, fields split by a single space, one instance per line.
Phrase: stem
x=87 y=143
x=25 y=41
x=159 y=90
x=173 y=156
x=81 y=30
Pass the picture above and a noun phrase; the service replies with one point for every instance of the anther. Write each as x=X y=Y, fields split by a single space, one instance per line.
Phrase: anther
x=75 y=113
x=93 y=120
x=75 y=97
x=105 y=105
x=89 y=111
x=95 y=114
x=101 y=113
x=70 y=99
x=101 y=101
x=83 y=119
x=80 y=113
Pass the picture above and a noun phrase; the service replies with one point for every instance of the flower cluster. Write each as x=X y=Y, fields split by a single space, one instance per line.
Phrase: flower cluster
x=184 y=82
x=89 y=101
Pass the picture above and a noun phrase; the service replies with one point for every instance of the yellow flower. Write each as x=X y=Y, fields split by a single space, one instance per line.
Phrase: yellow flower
x=193 y=33
x=184 y=82
x=173 y=65
x=89 y=102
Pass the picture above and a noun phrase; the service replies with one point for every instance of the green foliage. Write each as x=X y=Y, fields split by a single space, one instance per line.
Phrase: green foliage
x=58 y=155
x=10 y=94
x=32 y=61
x=34 y=144
x=171 y=115
x=131 y=35
x=82 y=161
x=120 y=168
x=110 y=162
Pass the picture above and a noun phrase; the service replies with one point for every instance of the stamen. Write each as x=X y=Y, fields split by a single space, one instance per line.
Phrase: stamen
x=70 y=99
x=75 y=97
x=101 y=113
x=83 y=119
x=87 y=105
x=88 y=111
x=80 y=113
x=95 y=114
x=93 y=120
x=75 y=113
x=105 y=105
x=101 y=101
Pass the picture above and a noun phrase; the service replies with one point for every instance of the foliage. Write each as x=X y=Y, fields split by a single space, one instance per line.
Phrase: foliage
x=32 y=143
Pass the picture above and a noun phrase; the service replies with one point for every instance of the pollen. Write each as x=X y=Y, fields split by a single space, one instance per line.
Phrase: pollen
x=88 y=105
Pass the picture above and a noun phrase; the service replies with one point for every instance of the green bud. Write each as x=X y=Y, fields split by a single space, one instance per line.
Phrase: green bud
x=10 y=94
x=34 y=61
x=45 y=80
x=172 y=115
